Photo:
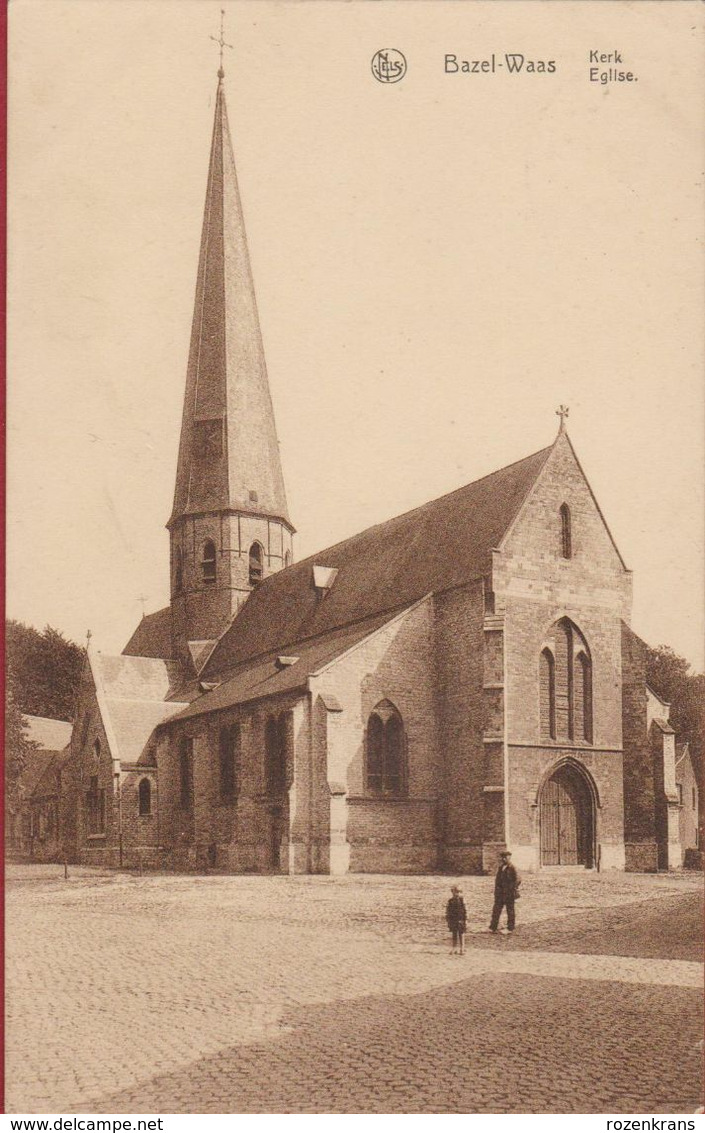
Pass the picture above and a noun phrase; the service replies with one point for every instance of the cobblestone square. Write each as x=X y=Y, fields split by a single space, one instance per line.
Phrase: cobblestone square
x=170 y=994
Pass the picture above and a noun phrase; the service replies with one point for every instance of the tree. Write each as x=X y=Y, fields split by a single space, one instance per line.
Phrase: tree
x=18 y=750
x=43 y=670
x=669 y=675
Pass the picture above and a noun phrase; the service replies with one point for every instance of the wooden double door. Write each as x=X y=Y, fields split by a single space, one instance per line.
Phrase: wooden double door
x=567 y=820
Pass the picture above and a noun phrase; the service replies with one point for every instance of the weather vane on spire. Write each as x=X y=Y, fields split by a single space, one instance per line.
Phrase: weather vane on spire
x=562 y=412
x=221 y=43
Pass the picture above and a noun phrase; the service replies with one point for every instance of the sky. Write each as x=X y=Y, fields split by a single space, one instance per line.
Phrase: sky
x=439 y=264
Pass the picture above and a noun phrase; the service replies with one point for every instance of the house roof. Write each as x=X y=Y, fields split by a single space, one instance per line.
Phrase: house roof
x=152 y=638
x=50 y=735
x=435 y=547
x=264 y=677
x=132 y=696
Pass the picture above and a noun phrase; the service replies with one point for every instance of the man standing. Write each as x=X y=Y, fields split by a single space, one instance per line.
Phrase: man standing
x=506 y=891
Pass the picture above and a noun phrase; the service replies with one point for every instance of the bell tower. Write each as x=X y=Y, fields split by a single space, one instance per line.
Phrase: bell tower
x=229 y=527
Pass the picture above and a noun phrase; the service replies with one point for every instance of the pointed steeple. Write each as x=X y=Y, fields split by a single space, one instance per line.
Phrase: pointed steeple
x=229 y=454
x=230 y=525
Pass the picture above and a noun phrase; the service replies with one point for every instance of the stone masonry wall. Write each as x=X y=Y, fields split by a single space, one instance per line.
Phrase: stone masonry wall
x=201 y=610
x=535 y=586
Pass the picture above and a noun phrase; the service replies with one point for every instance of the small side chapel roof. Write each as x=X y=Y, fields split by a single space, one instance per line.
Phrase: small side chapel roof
x=131 y=694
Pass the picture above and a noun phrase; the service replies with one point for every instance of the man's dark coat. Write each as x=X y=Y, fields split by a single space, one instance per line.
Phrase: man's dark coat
x=506 y=883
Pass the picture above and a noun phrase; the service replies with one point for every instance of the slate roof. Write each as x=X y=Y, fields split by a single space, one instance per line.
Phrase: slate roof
x=434 y=547
x=152 y=638
x=228 y=453
x=51 y=735
x=262 y=678
x=132 y=696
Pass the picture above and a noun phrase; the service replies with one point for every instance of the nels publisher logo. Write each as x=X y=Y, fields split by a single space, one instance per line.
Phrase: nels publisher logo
x=388 y=65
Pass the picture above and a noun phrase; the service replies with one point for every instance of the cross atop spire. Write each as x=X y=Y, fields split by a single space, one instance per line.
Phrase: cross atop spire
x=221 y=43
x=562 y=412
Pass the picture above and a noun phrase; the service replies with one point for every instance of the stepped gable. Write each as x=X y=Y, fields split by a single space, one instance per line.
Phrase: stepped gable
x=434 y=547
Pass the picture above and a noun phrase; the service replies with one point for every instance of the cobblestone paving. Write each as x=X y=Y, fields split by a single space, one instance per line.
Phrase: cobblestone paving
x=671 y=927
x=243 y=994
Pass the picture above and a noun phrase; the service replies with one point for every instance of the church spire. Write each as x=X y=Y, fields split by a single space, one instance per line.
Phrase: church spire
x=229 y=454
x=229 y=526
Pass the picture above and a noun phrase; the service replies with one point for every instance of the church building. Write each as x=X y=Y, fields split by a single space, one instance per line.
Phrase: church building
x=460 y=679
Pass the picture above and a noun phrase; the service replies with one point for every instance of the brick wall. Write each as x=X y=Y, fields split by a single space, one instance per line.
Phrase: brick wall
x=251 y=831
x=470 y=816
x=140 y=832
x=92 y=849
x=397 y=664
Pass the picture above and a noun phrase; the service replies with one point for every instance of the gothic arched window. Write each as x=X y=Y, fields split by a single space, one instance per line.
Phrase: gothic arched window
x=208 y=564
x=255 y=563
x=144 y=795
x=566 y=533
x=276 y=743
x=385 y=749
x=547 y=695
x=565 y=685
x=229 y=751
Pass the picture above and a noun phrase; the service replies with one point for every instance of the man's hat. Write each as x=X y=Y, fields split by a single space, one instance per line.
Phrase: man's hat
x=506 y=854
x=454 y=889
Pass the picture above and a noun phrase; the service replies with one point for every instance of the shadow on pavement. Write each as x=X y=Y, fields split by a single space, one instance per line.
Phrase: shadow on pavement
x=490 y=1044
x=663 y=928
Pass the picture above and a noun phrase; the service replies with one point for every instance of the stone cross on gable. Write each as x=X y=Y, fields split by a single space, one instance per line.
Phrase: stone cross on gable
x=562 y=412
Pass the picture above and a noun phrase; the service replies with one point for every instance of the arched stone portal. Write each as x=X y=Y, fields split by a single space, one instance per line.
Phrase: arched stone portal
x=567 y=817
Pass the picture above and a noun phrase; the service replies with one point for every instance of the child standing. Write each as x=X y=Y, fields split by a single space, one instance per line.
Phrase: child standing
x=456 y=916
